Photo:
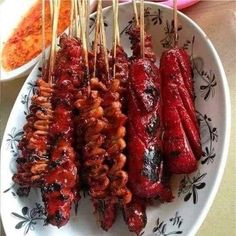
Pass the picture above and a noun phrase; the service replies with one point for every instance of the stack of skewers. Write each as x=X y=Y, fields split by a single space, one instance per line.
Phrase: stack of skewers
x=117 y=126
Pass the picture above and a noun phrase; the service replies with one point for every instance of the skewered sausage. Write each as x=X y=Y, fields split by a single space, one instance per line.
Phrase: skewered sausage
x=182 y=146
x=135 y=215
x=145 y=162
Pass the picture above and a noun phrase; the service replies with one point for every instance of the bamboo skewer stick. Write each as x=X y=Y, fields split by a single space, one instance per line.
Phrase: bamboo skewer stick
x=72 y=18
x=140 y=22
x=100 y=34
x=116 y=33
x=175 y=23
x=77 y=31
x=81 y=20
x=114 y=26
x=86 y=29
x=95 y=47
x=43 y=38
x=78 y=25
x=86 y=19
x=135 y=12
x=87 y=4
x=104 y=44
x=83 y=24
x=56 y=8
x=117 y=23
x=51 y=11
x=142 y=45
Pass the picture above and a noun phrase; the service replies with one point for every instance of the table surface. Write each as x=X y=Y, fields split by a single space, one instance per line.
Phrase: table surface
x=217 y=19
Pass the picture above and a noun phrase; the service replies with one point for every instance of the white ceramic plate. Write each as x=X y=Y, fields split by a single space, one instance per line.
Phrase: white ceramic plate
x=11 y=12
x=194 y=193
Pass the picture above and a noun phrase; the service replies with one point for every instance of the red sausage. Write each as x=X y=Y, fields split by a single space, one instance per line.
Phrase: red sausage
x=145 y=162
x=182 y=146
x=135 y=215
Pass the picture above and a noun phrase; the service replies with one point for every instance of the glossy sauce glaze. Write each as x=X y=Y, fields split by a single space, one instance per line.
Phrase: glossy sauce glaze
x=135 y=215
x=25 y=43
x=182 y=145
x=61 y=184
x=145 y=162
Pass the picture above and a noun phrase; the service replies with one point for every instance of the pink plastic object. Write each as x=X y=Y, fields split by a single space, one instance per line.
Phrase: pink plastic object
x=181 y=4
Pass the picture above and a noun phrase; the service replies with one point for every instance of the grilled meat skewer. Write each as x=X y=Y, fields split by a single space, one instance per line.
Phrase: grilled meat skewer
x=182 y=145
x=61 y=183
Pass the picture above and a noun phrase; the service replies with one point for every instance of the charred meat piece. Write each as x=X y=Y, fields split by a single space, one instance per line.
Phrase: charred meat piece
x=59 y=191
x=106 y=209
x=145 y=162
x=135 y=215
x=61 y=183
